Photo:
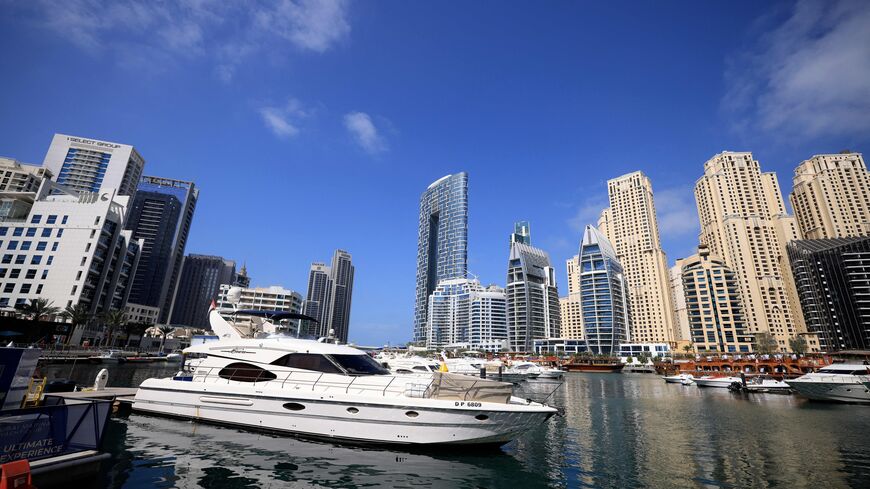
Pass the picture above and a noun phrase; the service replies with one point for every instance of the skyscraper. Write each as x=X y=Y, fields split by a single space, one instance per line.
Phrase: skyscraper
x=464 y=313
x=532 y=297
x=341 y=273
x=318 y=301
x=743 y=220
x=833 y=283
x=713 y=304
x=630 y=224
x=603 y=296
x=201 y=279
x=569 y=306
x=442 y=241
x=90 y=165
x=522 y=233
x=161 y=215
x=831 y=196
x=678 y=295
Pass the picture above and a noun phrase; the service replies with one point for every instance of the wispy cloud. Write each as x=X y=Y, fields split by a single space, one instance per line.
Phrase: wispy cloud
x=588 y=212
x=676 y=212
x=226 y=32
x=808 y=76
x=364 y=132
x=284 y=120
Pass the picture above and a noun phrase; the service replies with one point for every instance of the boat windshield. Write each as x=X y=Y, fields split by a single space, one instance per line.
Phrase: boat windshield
x=359 y=365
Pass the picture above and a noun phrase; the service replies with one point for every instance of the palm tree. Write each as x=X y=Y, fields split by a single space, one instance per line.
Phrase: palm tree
x=115 y=319
x=164 y=330
x=77 y=315
x=39 y=308
x=687 y=348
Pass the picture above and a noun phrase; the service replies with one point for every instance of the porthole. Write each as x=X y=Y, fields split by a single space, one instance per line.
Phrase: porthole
x=294 y=406
x=481 y=417
x=848 y=390
x=412 y=414
x=352 y=410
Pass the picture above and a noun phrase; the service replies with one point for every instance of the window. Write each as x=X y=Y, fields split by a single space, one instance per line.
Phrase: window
x=25 y=288
x=31 y=274
x=7 y=259
x=4 y=302
x=31 y=232
x=41 y=246
x=63 y=221
x=25 y=245
x=3 y=231
x=46 y=233
x=2 y=273
x=245 y=372
x=308 y=361
x=8 y=288
x=359 y=364
x=51 y=219
x=36 y=260
x=44 y=274
x=54 y=246
x=59 y=233
x=18 y=232
x=15 y=273
x=50 y=259
x=38 y=289
x=35 y=219
x=13 y=245
x=19 y=259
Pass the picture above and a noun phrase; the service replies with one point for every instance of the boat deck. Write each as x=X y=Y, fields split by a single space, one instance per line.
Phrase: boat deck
x=120 y=394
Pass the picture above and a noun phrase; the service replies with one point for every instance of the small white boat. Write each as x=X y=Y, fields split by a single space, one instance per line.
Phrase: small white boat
x=677 y=379
x=537 y=371
x=720 y=382
x=110 y=356
x=763 y=383
x=174 y=357
x=839 y=382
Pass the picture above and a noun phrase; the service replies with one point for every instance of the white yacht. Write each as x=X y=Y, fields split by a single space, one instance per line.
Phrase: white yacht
x=764 y=383
x=319 y=389
x=408 y=364
x=677 y=379
x=534 y=368
x=841 y=382
x=722 y=382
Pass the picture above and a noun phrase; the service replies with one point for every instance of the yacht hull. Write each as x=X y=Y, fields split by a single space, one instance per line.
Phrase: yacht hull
x=722 y=383
x=342 y=418
x=826 y=391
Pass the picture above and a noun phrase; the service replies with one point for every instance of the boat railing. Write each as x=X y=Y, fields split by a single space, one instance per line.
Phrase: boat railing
x=297 y=379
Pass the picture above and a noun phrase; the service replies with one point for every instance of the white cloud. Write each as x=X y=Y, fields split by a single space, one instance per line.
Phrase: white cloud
x=364 y=132
x=283 y=121
x=809 y=76
x=588 y=212
x=226 y=32
x=676 y=212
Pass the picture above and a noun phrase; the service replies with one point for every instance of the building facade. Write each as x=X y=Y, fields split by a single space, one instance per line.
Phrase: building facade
x=139 y=314
x=604 y=300
x=464 y=313
x=272 y=298
x=743 y=221
x=714 y=307
x=18 y=177
x=682 y=333
x=831 y=196
x=442 y=242
x=571 y=312
x=341 y=272
x=630 y=224
x=69 y=248
x=318 y=300
x=532 y=297
x=201 y=279
x=90 y=165
x=833 y=282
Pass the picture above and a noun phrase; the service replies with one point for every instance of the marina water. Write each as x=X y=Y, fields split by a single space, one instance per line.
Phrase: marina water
x=618 y=430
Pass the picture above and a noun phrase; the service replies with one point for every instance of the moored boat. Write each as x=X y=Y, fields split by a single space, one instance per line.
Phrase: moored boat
x=677 y=379
x=720 y=382
x=840 y=382
x=593 y=366
x=110 y=356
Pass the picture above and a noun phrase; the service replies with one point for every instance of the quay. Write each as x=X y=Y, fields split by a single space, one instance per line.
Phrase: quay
x=774 y=365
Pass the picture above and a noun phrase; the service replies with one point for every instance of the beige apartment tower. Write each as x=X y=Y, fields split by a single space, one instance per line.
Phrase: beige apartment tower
x=630 y=224
x=743 y=221
x=831 y=196
x=572 y=315
x=681 y=315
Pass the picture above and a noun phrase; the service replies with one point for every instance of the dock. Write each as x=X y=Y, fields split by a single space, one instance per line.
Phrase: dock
x=124 y=395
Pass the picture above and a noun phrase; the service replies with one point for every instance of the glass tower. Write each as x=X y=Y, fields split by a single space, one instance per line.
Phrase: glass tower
x=442 y=241
x=603 y=294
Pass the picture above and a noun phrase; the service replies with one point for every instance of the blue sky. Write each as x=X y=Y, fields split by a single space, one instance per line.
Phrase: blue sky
x=311 y=126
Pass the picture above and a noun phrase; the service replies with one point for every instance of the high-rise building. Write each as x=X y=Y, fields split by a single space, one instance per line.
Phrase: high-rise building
x=18 y=177
x=201 y=279
x=743 y=221
x=713 y=304
x=318 y=301
x=330 y=290
x=831 y=196
x=462 y=313
x=572 y=317
x=532 y=297
x=603 y=296
x=522 y=233
x=69 y=248
x=161 y=215
x=442 y=241
x=341 y=273
x=630 y=225
x=678 y=295
x=242 y=279
x=833 y=283
x=90 y=165
x=573 y=267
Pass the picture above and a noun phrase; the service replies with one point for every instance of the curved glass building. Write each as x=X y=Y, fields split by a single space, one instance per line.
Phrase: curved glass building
x=603 y=294
x=442 y=241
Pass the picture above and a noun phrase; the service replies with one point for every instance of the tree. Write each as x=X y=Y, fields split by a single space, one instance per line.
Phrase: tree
x=77 y=315
x=798 y=345
x=688 y=348
x=115 y=319
x=643 y=358
x=765 y=343
x=164 y=330
x=39 y=308
x=136 y=329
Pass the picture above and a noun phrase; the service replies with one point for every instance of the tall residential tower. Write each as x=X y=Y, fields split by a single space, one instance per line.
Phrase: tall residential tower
x=532 y=297
x=442 y=241
x=603 y=295
x=91 y=165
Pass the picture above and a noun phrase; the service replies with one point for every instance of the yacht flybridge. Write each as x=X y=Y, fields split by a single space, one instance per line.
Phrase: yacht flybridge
x=321 y=389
